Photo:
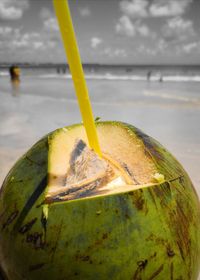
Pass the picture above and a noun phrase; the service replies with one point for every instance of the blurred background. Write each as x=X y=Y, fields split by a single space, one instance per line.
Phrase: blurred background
x=142 y=64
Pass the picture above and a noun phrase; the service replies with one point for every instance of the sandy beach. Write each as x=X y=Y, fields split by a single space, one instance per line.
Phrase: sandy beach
x=168 y=111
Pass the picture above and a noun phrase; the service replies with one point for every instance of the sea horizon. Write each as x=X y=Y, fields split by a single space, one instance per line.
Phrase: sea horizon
x=97 y=71
x=85 y=64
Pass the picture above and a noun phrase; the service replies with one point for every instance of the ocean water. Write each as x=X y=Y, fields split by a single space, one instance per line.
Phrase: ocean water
x=150 y=84
x=116 y=72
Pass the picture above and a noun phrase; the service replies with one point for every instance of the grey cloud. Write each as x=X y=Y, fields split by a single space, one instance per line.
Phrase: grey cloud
x=156 y=8
x=13 y=9
x=134 y=8
x=177 y=29
x=160 y=8
x=84 y=11
x=125 y=26
x=45 y=13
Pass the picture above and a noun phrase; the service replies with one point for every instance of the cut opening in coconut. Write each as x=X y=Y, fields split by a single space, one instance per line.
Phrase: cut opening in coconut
x=75 y=171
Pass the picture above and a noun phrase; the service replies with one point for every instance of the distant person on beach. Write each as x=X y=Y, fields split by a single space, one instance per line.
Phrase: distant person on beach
x=14 y=73
x=148 y=75
x=64 y=70
x=58 y=70
x=15 y=78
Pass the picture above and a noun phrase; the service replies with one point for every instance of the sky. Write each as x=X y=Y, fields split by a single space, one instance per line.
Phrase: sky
x=108 y=31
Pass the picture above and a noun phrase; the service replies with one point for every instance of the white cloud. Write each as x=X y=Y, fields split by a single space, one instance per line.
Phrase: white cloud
x=107 y=51
x=125 y=26
x=145 y=50
x=135 y=12
x=161 y=45
x=161 y=8
x=134 y=8
x=84 y=12
x=143 y=30
x=26 y=40
x=5 y=30
x=158 y=8
x=19 y=44
x=8 y=35
x=131 y=22
x=177 y=29
x=95 y=42
x=45 y=13
x=51 y=44
x=116 y=52
x=13 y=9
x=51 y=24
x=16 y=44
x=120 y=52
x=179 y=23
x=13 y=40
x=38 y=45
x=188 y=48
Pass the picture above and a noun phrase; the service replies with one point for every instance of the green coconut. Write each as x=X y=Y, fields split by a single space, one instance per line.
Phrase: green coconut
x=66 y=213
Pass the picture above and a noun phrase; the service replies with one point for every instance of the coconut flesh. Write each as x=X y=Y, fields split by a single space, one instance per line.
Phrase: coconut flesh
x=76 y=171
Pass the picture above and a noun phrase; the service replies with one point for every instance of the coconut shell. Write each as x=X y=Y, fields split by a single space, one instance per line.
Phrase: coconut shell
x=147 y=233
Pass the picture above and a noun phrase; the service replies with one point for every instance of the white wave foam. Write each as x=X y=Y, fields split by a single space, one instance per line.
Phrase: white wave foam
x=182 y=78
x=3 y=74
x=109 y=76
x=106 y=76
x=57 y=76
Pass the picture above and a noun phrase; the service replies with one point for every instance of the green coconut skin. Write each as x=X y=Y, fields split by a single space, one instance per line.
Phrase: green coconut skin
x=149 y=233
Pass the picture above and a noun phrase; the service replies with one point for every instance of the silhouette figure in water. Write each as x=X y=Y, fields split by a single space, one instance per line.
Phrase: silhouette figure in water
x=148 y=75
x=14 y=71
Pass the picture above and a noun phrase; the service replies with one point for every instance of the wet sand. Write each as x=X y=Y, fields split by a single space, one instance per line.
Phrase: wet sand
x=163 y=111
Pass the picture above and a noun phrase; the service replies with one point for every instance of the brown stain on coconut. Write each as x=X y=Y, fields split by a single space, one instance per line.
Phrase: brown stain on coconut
x=164 y=243
x=36 y=239
x=99 y=241
x=27 y=226
x=156 y=273
x=86 y=256
x=181 y=224
x=140 y=267
x=10 y=219
x=172 y=271
x=179 y=218
x=36 y=266
x=139 y=201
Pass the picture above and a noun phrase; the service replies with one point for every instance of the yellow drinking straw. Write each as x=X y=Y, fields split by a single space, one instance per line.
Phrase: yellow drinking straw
x=71 y=48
